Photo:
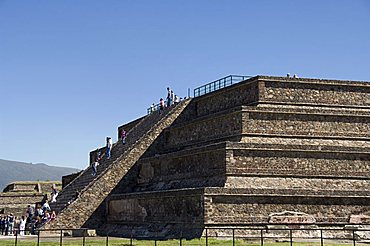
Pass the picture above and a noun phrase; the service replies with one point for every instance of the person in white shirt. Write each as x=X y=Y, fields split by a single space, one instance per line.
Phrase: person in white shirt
x=22 y=225
x=46 y=206
x=94 y=166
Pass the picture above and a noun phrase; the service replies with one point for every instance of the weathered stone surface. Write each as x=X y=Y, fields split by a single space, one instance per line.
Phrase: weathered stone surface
x=291 y=217
x=185 y=206
x=359 y=219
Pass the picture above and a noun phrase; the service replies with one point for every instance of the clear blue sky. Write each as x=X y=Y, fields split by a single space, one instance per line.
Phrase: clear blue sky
x=72 y=71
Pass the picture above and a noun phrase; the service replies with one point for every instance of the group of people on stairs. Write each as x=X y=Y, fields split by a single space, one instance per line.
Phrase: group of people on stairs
x=108 y=151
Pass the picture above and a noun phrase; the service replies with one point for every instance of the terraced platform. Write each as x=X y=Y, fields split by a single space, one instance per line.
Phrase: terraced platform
x=237 y=156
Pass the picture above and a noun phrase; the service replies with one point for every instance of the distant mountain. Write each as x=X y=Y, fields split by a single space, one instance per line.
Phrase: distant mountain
x=11 y=171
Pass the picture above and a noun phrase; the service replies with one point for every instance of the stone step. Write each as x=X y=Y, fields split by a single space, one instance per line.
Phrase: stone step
x=271 y=172
x=297 y=182
x=291 y=143
x=311 y=109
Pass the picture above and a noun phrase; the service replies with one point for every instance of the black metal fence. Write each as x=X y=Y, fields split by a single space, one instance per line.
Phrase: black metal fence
x=219 y=84
x=210 y=87
x=210 y=236
x=153 y=108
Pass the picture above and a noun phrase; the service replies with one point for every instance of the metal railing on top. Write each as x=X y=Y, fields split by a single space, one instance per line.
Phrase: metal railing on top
x=219 y=84
x=152 y=108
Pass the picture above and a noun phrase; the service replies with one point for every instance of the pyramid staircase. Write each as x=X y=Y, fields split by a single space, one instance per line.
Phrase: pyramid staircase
x=86 y=192
x=74 y=188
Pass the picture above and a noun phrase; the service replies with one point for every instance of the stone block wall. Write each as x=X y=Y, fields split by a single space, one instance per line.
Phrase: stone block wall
x=261 y=122
x=290 y=182
x=314 y=91
x=204 y=129
x=239 y=94
x=94 y=153
x=303 y=163
x=16 y=203
x=299 y=143
x=185 y=206
x=45 y=187
x=23 y=187
x=31 y=186
x=128 y=126
x=7 y=198
x=69 y=178
x=197 y=167
x=256 y=208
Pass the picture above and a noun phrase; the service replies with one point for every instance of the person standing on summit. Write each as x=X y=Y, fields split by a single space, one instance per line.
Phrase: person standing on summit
x=109 y=147
x=168 y=98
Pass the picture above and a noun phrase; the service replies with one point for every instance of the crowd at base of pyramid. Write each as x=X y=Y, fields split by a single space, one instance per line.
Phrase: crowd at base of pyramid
x=20 y=199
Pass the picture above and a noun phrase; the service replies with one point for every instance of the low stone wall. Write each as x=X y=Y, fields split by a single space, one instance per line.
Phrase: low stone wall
x=299 y=143
x=31 y=186
x=314 y=91
x=22 y=187
x=204 y=129
x=196 y=167
x=185 y=206
x=298 y=162
x=296 y=123
x=248 y=208
x=69 y=178
x=20 y=198
x=310 y=109
x=128 y=126
x=16 y=203
x=286 y=182
x=45 y=187
x=94 y=153
x=243 y=93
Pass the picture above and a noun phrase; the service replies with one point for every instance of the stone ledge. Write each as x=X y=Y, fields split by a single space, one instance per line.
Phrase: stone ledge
x=213 y=191
x=145 y=194
x=365 y=84
x=187 y=151
x=293 y=144
x=257 y=147
x=295 y=174
x=275 y=135
x=310 y=106
x=305 y=112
